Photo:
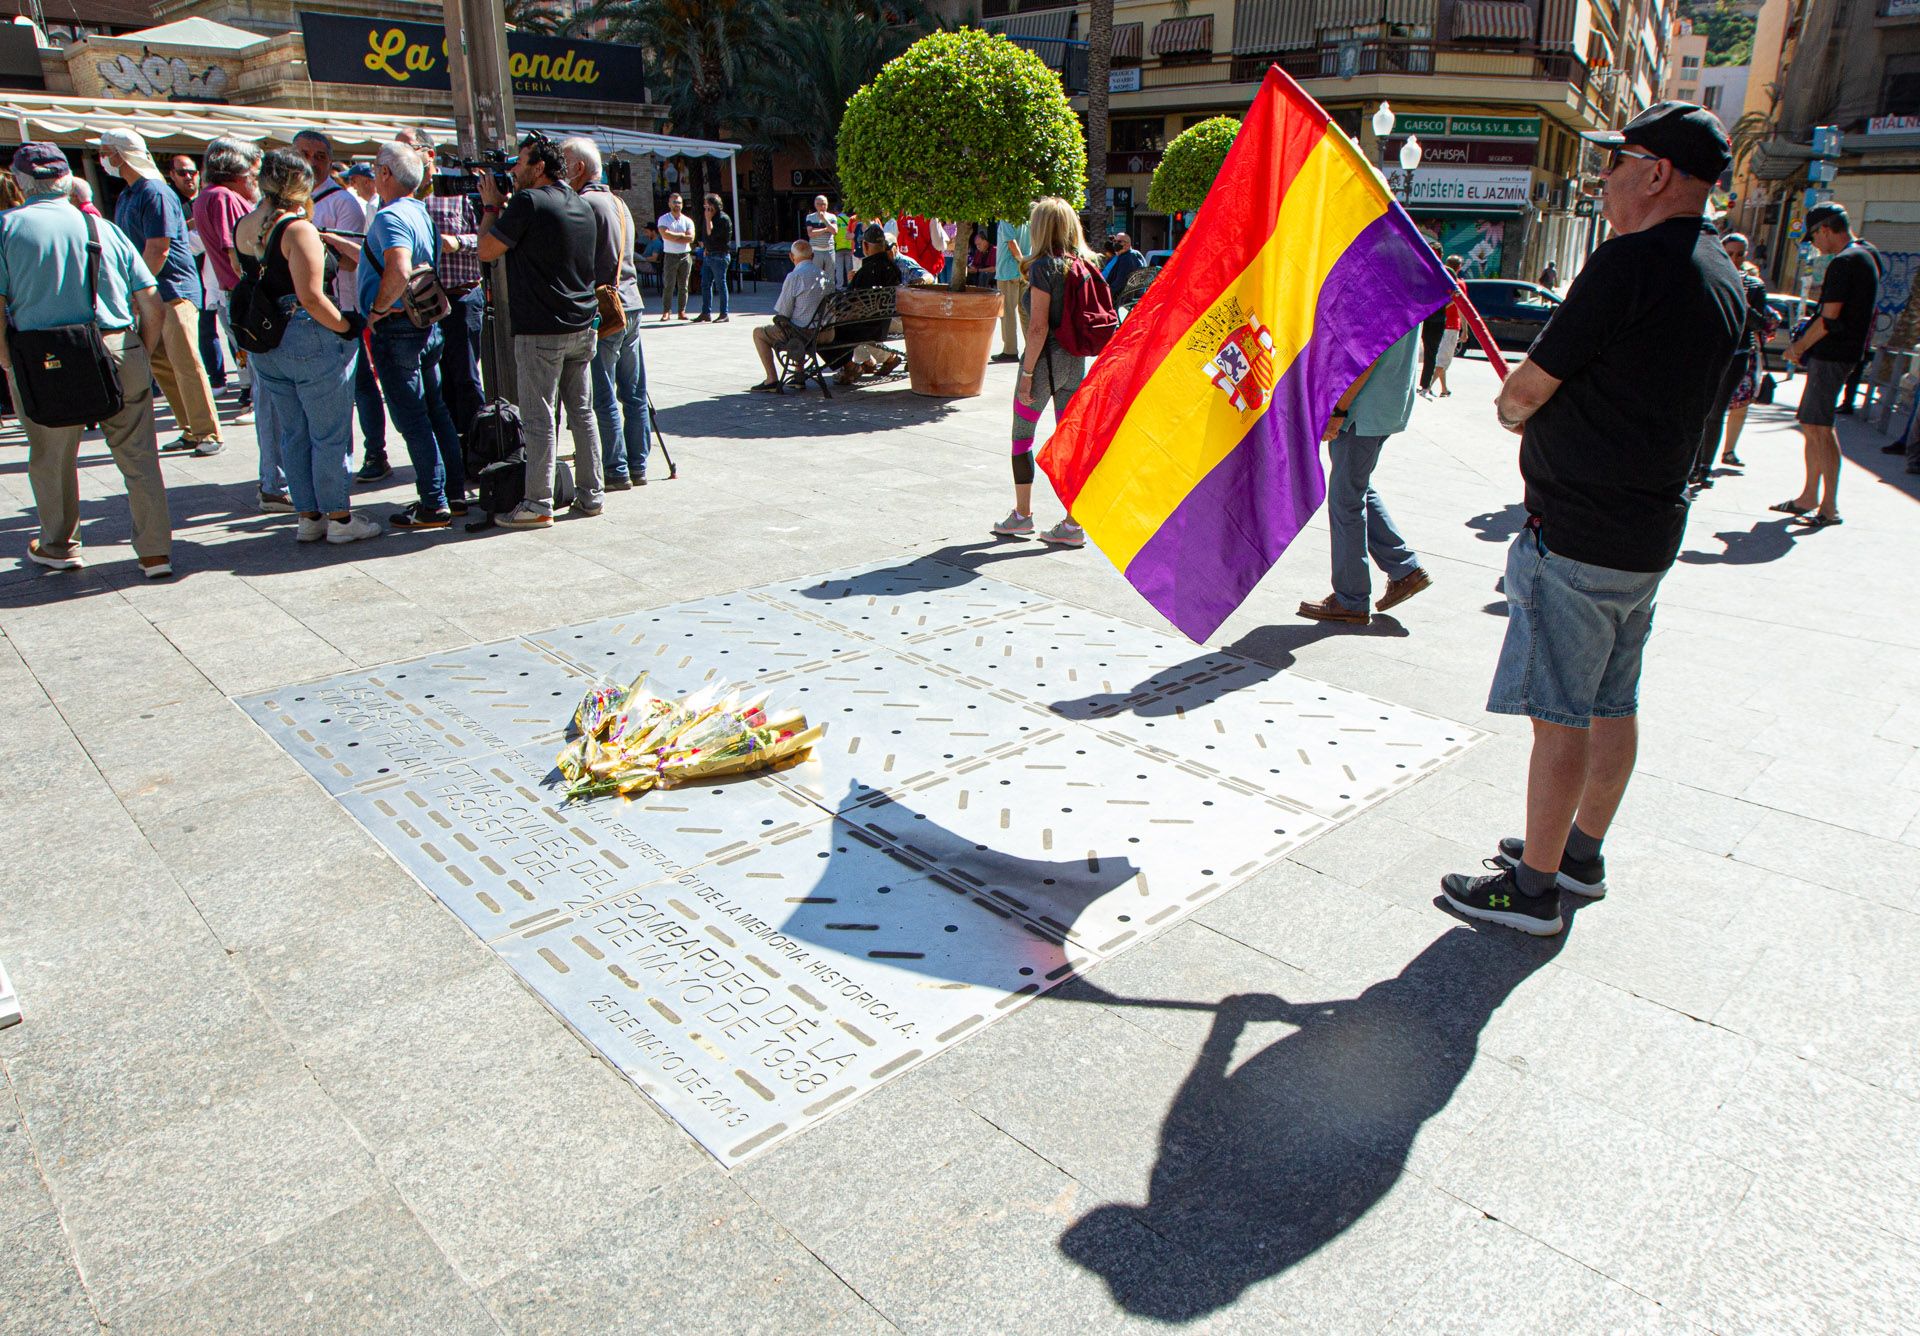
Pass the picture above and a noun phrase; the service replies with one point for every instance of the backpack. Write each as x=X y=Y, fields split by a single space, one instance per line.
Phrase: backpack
x=503 y=485
x=259 y=320
x=1087 y=317
x=493 y=435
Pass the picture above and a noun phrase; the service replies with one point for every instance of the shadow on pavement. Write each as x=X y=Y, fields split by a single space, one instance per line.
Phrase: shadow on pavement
x=1263 y=1164
x=760 y=417
x=944 y=568
x=1497 y=526
x=1768 y=540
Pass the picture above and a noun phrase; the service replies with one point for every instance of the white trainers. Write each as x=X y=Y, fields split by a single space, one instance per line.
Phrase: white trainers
x=1015 y=525
x=355 y=527
x=1065 y=534
x=311 y=530
x=524 y=516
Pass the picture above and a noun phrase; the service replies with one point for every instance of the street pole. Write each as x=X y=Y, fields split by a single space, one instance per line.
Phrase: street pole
x=483 y=119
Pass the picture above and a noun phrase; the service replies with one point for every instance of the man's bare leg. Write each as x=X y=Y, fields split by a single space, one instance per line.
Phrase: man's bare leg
x=1611 y=751
x=1556 y=781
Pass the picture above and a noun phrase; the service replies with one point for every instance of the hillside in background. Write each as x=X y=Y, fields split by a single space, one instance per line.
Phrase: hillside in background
x=1729 y=30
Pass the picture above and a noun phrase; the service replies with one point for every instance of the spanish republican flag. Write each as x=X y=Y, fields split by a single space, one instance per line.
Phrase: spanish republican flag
x=1191 y=454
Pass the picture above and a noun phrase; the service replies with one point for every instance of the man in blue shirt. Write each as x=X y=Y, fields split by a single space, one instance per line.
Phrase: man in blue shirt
x=150 y=214
x=43 y=283
x=406 y=358
x=1010 y=250
x=1126 y=262
x=1374 y=407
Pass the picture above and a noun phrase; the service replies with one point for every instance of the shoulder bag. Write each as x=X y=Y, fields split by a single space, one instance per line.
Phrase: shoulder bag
x=67 y=378
x=613 y=315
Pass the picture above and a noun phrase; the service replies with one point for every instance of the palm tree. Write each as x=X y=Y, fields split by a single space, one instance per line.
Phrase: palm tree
x=546 y=18
x=1099 y=124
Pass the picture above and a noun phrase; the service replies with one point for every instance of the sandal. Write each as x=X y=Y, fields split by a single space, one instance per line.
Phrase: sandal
x=1818 y=521
x=1790 y=508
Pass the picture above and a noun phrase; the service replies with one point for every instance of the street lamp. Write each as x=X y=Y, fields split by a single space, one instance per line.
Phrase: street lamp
x=1383 y=121
x=1410 y=155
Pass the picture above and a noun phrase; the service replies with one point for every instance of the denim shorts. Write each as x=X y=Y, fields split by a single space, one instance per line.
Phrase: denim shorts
x=1821 y=393
x=1575 y=636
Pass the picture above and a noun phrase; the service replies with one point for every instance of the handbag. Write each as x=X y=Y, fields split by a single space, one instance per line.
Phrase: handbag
x=67 y=378
x=606 y=296
x=1764 y=394
x=425 y=299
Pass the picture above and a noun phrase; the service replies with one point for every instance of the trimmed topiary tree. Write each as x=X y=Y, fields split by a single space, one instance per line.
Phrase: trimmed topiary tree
x=963 y=126
x=1187 y=168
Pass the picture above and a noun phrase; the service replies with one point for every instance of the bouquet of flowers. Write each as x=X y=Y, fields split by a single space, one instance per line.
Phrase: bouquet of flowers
x=631 y=740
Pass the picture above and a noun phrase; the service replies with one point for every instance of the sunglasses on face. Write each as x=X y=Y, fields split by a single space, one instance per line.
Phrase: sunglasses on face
x=1613 y=158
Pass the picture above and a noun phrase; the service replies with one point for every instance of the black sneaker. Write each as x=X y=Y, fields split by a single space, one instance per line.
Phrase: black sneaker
x=623 y=483
x=245 y=401
x=414 y=517
x=457 y=507
x=1499 y=899
x=183 y=446
x=376 y=469
x=1587 y=878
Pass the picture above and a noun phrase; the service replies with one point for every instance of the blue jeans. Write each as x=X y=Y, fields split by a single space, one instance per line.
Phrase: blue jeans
x=1358 y=522
x=407 y=361
x=713 y=280
x=266 y=434
x=366 y=402
x=460 y=364
x=212 y=356
x=309 y=381
x=1575 y=636
x=620 y=401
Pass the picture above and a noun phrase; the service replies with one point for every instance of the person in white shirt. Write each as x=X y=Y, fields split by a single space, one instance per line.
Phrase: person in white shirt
x=823 y=226
x=676 y=257
x=799 y=302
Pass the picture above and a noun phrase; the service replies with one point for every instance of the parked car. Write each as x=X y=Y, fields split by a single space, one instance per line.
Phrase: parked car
x=1515 y=312
x=1791 y=310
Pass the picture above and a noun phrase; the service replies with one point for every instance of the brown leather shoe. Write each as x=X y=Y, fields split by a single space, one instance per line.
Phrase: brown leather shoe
x=1399 y=591
x=1328 y=609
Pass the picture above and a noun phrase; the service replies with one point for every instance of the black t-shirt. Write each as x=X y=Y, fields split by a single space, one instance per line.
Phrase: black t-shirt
x=1853 y=280
x=1639 y=346
x=550 y=265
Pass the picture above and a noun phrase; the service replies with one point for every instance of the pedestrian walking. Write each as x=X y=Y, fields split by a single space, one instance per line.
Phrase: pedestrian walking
x=406 y=357
x=149 y=213
x=47 y=282
x=1431 y=330
x=1010 y=255
x=715 y=262
x=1550 y=276
x=1834 y=341
x=1375 y=407
x=1450 y=334
x=546 y=233
x=1047 y=370
x=308 y=375
x=619 y=369
x=1608 y=405
x=675 y=228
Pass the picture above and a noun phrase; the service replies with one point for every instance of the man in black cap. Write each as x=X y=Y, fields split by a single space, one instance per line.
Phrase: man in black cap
x=1608 y=405
x=1834 y=341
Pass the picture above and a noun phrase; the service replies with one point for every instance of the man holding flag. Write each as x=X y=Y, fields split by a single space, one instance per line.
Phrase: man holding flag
x=1608 y=406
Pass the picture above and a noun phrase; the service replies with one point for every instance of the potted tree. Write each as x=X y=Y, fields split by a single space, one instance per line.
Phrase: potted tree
x=961 y=125
x=1187 y=168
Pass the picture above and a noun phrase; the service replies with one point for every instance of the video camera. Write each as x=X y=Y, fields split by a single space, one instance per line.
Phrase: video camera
x=495 y=162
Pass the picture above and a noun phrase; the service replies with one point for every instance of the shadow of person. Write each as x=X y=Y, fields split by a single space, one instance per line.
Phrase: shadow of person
x=1497 y=526
x=1768 y=540
x=1263 y=1164
x=948 y=567
x=797 y=413
x=1210 y=675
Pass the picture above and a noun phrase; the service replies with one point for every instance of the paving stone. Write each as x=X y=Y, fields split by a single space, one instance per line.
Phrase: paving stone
x=366 y=1268
x=40 y=1292
x=1830 y=855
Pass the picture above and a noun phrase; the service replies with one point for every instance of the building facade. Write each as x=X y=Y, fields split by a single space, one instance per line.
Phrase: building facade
x=1496 y=90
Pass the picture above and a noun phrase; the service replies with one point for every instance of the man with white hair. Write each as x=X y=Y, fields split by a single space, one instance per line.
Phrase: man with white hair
x=46 y=282
x=150 y=215
x=546 y=236
x=342 y=220
x=798 y=303
x=619 y=372
x=406 y=358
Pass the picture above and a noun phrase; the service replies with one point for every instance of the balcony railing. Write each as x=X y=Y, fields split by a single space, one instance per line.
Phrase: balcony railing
x=1350 y=59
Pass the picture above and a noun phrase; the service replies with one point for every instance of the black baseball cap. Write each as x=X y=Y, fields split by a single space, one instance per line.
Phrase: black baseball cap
x=41 y=162
x=1684 y=133
x=1828 y=214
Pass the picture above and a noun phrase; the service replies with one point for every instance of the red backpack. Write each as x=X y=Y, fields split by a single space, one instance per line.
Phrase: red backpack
x=1087 y=317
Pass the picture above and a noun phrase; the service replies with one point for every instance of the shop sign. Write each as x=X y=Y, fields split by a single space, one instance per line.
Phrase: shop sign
x=1899 y=9
x=1420 y=125
x=1463 y=152
x=1495 y=188
x=388 y=53
x=1132 y=164
x=1896 y=125
x=1124 y=80
x=1494 y=127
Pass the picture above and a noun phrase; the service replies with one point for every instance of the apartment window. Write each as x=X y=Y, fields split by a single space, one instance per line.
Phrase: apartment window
x=1689 y=62
x=1135 y=135
x=1900 y=92
x=1711 y=99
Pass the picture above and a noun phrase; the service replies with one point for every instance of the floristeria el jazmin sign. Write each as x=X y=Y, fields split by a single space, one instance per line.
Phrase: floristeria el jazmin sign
x=387 y=53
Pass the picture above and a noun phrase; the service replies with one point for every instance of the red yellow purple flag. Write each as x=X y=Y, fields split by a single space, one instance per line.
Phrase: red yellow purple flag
x=1191 y=454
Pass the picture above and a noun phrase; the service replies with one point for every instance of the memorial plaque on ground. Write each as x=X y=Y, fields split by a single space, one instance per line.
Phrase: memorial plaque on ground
x=1010 y=790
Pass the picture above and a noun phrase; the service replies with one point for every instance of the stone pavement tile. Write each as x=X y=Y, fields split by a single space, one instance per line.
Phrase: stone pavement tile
x=327 y=979
x=1358 y=851
x=1834 y=793
x=1828 y=855
x=23 y=1192
x=182 y=752
x=254 y=882
x=1803 y=1128
x=1902 y=726
x=258 y=662
x=1782 y=1264
x=1194 y=968
x=40 y=1292
x=1688 y=814
x=366 y=1268
x=190 y=1195
x=1462 y=810
x=195 y=634
x=501 y=1188
x=695 y=1255
x=1638 y=947
x=1633 y=1203
x=1798 y=700
x=1298 y=916
x=1717 y=767
x=1638 y=1058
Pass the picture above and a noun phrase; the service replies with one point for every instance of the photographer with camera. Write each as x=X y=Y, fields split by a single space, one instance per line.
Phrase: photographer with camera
x=546 y=233
x=406 y=356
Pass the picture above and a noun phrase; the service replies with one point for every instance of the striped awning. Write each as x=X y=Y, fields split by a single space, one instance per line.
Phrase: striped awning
x=1263 y=26
x=1411 y=13
x=1557 y=22
x=1499 y=20
x=1051 y=27
x=1128 y=39
x=1350 y=13
x=1181 y=36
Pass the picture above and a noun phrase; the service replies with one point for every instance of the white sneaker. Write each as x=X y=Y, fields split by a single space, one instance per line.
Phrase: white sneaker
x=524 y=516
x=1065 y=534
x=1015 y=525
x=355 y=527
x=312 y=530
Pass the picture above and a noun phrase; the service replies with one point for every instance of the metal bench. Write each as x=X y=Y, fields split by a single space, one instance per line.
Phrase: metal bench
x=812 y=352
x=1135 y=288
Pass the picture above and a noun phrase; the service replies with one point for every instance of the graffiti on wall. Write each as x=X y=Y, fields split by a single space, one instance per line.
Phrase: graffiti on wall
x=164 y=78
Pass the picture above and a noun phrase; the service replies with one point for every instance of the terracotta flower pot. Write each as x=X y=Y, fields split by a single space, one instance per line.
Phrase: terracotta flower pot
x=949 y=337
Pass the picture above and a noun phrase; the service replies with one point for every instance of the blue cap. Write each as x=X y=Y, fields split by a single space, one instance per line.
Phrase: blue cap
x=360 y=169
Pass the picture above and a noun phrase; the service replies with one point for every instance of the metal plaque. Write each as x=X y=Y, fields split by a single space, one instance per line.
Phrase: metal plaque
x=732 y=638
